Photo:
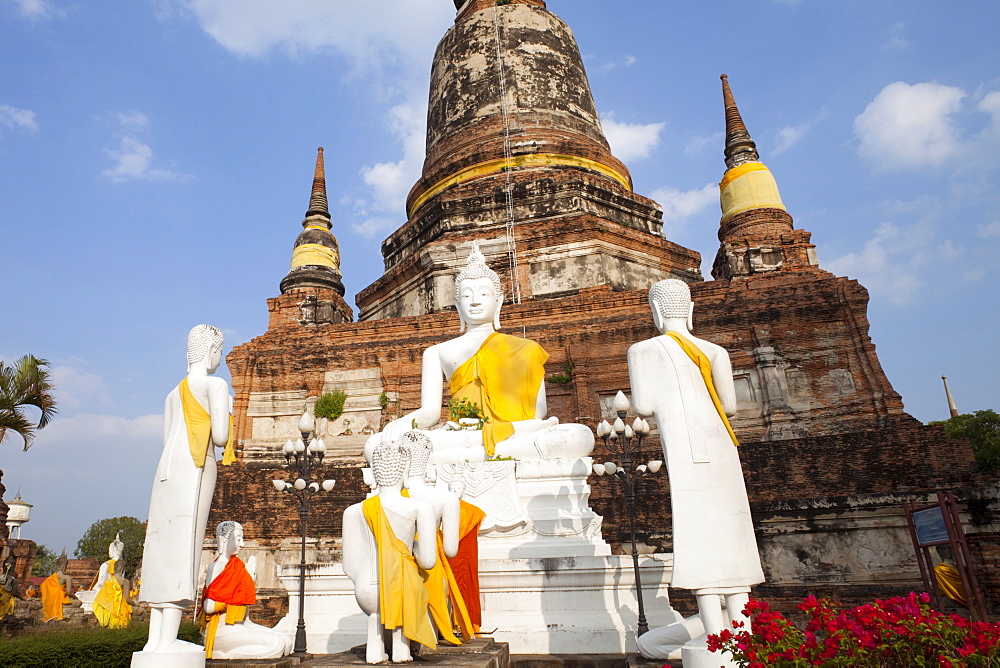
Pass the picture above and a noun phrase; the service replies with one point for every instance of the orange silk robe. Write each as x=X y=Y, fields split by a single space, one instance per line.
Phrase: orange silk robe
x=53 y=598
x=465 y=564
x=232 y=590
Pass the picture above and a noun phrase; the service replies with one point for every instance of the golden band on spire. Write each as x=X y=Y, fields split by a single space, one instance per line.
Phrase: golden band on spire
x=530 y=160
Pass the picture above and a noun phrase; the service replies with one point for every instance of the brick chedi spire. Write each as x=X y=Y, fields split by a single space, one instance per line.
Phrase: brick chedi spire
x=316 y=254
x=516 y=157
x=756 y=231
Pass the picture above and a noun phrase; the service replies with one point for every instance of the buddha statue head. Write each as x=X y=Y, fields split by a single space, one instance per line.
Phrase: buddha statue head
x=420 y=447
x=116 y=547
x=478 y=293
x=229 y=537
x=62 y=561
x=389 y=462
x=205 y=344
x=670 y=299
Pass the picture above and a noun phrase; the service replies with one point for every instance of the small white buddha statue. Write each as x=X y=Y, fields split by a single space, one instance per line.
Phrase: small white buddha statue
x=502 y=376
x=445 y=598
x=379 y=548
x=229 y=589
x=687 y=383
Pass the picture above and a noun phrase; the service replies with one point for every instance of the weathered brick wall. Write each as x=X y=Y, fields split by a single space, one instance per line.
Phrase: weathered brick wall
x=83 y=572
x=24 y=554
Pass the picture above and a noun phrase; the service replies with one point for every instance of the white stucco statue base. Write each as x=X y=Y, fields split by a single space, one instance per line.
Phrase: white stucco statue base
x=182 y=655
x=548 y=581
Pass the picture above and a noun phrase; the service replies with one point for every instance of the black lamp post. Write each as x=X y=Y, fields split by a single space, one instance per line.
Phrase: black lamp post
x=619 y=439
x=302 y=459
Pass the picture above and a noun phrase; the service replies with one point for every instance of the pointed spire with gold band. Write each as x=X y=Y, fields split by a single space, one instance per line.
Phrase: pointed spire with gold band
x=747 y=184
x=756 y=231
x=316 y=255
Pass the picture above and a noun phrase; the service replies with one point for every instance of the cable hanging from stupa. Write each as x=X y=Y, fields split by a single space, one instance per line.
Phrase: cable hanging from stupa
x=508 y=157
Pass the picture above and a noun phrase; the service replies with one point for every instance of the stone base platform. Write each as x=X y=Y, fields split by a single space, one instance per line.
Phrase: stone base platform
x=481 y=652
x=583 y=604
x=477 y=653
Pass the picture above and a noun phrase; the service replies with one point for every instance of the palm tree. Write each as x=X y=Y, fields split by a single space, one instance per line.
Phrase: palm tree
x=25 y=383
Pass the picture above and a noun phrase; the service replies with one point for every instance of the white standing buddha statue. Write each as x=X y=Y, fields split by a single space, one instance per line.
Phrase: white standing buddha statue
x=687 y=384
x=197 y=418
x=383 y=561
x=229 y=589
x=501 y=375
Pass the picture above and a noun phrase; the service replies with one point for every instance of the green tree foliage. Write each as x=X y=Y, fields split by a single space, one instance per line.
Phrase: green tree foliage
x=44 y=564
x=330 y=405
x=982 y=428
x=102 y=533
x=22 y=384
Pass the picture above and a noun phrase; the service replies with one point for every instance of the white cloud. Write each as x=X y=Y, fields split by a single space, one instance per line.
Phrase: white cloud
x=75 y=388
x=111 y=429
x=14 y=117
x=389 y=43
x=390 y=182
x=626 y=60
x=132 y=121
x=874 y=269
x=790 y=135
x=700 y=144
x=375 y=226
x=989 y=230
x=369 y=34
x=36 y=10
x=909 y=126
x=895 y=261
x=990 y=104
x=679 y=205
x=631 y=141
x=895 y=39
x=133 y=158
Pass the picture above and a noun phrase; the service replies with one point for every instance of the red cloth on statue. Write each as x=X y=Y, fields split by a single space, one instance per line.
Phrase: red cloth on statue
x=233 y=586
x=465 y=564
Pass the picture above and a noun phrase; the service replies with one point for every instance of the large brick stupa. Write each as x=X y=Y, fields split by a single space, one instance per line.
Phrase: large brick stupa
x=517 y=159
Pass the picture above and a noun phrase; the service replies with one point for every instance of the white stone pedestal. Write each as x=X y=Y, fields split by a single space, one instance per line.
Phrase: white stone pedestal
x=548 y=581
x=86 y=598
x=187 y=656
x=566 y=605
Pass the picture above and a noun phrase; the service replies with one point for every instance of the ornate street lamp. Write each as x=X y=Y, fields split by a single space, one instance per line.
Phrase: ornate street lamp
x=620 y=438
x=301 y=459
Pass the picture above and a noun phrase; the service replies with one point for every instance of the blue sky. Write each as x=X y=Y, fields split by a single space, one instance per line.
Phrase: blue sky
x=157 y=155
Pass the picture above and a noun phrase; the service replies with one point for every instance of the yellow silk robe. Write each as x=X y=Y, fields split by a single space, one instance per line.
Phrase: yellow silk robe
x=949 y=583
x=705 y=367
x=7 y=603
x=503 y=379
x=110 y=607
x=402 y=592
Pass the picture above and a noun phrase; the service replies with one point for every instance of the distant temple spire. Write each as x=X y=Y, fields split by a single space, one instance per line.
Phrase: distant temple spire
x=317 y=203
x=740 y=148
x=952 y=408
x=755 y=229
x=316 y=254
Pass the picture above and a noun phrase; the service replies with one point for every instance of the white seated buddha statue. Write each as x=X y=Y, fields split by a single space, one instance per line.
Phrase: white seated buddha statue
x=502 y=376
